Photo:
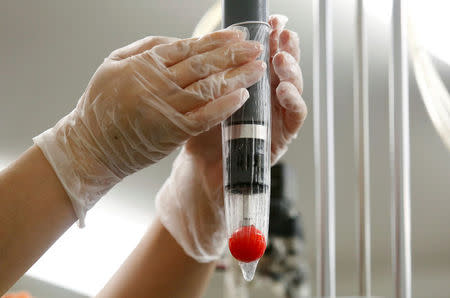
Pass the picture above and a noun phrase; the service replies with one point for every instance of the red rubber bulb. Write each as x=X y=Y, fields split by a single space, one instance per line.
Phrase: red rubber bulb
x=247 y=244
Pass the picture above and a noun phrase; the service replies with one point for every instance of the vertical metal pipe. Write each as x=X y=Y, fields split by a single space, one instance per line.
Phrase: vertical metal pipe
x=362 y=153
x=399 y=151
x=324 y=148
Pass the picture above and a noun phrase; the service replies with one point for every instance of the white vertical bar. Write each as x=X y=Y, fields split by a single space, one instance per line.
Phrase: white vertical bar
x=324 y=148
x=399 y=151
x=362 y=153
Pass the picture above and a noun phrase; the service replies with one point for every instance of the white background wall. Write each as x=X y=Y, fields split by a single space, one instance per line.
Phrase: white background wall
x=49 y=49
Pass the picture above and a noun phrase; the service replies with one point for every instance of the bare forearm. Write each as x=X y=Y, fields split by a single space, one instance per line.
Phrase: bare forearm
x=34 y=212
x=158 y=267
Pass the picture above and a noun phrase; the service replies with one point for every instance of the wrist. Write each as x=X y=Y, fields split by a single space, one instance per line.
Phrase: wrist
x=206 y=173
x=190 y=206
x=83 y=175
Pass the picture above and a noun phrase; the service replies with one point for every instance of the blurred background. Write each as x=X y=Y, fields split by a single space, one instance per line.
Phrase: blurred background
x=49 y=49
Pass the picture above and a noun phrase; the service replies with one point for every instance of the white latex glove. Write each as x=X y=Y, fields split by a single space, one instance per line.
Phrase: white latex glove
x=190 y=203
x=145 y=100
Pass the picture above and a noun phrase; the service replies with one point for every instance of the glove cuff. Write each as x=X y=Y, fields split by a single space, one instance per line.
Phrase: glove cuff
x=82 y=184
x=62 y=167
x=194 y=220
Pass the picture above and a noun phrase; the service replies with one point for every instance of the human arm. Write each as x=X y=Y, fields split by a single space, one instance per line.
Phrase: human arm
x=158 y=267
x=144 y=101
x=35 y=211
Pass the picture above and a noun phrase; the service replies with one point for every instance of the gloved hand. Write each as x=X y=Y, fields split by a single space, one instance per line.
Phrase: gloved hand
x=190 y=203
x=145 y=100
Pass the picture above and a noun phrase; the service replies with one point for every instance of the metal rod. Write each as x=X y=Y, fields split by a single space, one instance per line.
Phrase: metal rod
x=399 y=151
x=324 y=148
x=362 y=153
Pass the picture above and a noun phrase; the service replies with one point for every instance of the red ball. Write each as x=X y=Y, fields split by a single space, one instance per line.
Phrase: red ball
x=247 y=244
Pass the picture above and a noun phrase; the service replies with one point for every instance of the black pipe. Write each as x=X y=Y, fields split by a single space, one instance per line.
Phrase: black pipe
x=248 y=161
x=238 y=11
